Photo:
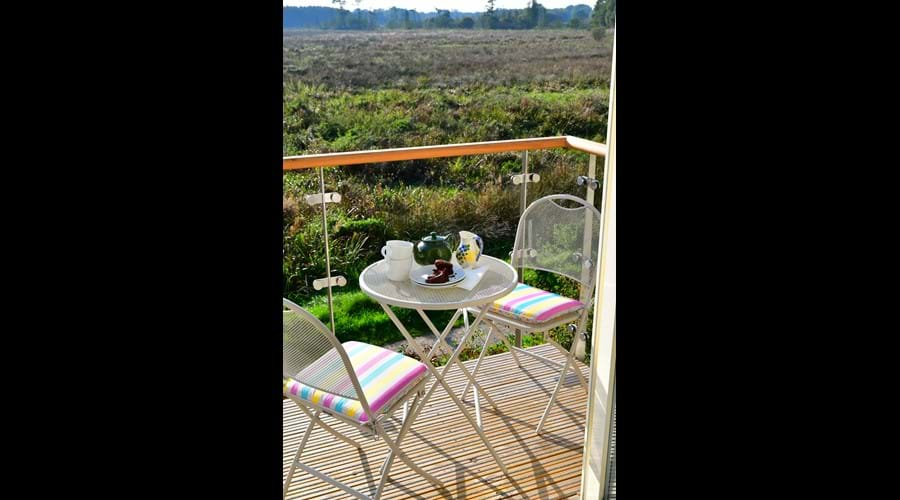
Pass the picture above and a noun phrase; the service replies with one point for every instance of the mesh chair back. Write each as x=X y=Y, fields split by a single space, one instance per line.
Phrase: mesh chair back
x=306 y=341
x=552 y=237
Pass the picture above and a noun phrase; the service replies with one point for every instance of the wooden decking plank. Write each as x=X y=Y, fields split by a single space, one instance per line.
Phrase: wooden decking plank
x=417 y=439
x=511 y=454
x=493 y=424
x=415 y=442
x=395 y=471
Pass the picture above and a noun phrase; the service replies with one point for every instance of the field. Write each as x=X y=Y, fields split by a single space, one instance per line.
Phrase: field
x=346 y=91
x=541 y=59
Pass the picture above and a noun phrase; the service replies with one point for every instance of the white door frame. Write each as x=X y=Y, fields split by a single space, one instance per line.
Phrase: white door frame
x=603 y=349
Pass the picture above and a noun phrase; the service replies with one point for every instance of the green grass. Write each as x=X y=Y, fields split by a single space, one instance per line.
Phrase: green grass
x=357 y=317
x=319 y=119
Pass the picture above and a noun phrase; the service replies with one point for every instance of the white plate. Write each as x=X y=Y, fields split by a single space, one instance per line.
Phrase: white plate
x=419 y=273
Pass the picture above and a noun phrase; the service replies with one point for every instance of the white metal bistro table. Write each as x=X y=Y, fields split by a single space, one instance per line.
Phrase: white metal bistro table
x=499 y=279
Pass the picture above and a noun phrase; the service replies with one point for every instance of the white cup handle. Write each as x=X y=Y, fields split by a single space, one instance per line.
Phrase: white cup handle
x=384 y=251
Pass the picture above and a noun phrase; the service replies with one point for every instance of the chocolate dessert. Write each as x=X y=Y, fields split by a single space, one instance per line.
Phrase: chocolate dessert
x=441 y=273
x=443 y=264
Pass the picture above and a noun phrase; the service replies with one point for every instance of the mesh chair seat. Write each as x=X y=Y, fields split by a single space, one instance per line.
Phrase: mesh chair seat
x=533 y=305
x=385 y=377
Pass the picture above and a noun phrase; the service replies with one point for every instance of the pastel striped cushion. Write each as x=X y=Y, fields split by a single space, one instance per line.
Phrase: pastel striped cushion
x=385 y=376
x=533 y=305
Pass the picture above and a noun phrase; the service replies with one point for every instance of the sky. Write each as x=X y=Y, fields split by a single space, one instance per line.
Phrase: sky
x=431 y=5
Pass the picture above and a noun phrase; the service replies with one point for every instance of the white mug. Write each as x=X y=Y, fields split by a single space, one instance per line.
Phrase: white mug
x=397 y=250
x=398 y=257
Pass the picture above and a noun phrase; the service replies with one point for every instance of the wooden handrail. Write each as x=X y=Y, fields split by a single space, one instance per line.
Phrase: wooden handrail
x=594 y=148
x=424 y=152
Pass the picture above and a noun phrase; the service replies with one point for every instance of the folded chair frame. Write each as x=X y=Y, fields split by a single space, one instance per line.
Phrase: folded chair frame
x=524 y=245
x=373 y=428
x=495 y=321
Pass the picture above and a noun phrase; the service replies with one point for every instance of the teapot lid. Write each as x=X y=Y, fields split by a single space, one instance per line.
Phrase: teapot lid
x=434 y=237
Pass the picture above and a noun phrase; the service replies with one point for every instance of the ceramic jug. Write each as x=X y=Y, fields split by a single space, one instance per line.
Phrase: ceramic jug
x=469 y=250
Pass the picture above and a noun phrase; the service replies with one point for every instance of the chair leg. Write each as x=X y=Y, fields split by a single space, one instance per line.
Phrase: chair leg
x=309 y=428
x=385 y=468
x=570 y=363
x=570 y=355
x=553 y=396
x=410 y=411
x=512 y=350
x=396 y=452
x=329 y=428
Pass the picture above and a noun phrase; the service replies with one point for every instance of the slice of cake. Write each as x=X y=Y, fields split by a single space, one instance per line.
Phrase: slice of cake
x=441 y=273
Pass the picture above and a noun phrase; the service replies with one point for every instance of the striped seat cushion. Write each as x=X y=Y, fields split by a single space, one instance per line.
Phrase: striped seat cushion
x=385 y=376
x=533 y=305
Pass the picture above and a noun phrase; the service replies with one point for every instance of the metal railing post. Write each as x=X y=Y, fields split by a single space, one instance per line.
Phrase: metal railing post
x=327 y=249
x=524 y=205
x=587 y=272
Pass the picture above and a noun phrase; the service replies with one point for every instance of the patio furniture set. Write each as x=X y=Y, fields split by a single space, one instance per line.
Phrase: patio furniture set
x=361 y=384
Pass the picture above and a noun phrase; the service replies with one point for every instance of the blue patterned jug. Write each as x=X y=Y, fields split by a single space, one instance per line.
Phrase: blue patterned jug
x=469 y=249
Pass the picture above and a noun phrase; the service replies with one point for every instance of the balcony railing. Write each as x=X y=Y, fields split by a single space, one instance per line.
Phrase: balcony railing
x=442 y=151
x=320 y=161
x=547 y=465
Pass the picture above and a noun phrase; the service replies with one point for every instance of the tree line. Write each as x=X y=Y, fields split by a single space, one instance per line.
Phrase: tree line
x=534 y=16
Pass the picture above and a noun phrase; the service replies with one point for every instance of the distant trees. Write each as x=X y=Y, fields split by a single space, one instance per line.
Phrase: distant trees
x=534 y=15
x=441 y=20
x=579 y=19
x=489 y=19
x=358 y=11
x=401 y=19
x=444 y=20
x=342 y=12
x=604 y=15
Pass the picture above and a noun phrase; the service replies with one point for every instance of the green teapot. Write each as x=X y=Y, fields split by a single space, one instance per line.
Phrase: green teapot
x=432 y=248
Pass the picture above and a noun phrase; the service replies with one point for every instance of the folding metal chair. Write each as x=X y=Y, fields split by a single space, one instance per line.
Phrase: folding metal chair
x=562 y=240
x=356 y=383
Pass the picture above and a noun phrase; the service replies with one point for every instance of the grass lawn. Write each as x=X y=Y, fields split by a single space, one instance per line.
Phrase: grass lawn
x=357 y=317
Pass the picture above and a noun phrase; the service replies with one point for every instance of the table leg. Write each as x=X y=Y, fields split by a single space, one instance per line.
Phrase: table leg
x=443 y=334
x=439 y=379
x=484 y=348
x=442 y=337
x=475 y=399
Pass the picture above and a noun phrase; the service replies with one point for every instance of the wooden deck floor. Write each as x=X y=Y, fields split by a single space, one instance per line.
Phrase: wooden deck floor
x=443 y=444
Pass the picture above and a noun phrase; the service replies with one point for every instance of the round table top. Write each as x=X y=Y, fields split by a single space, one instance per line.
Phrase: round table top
x=499 y=279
